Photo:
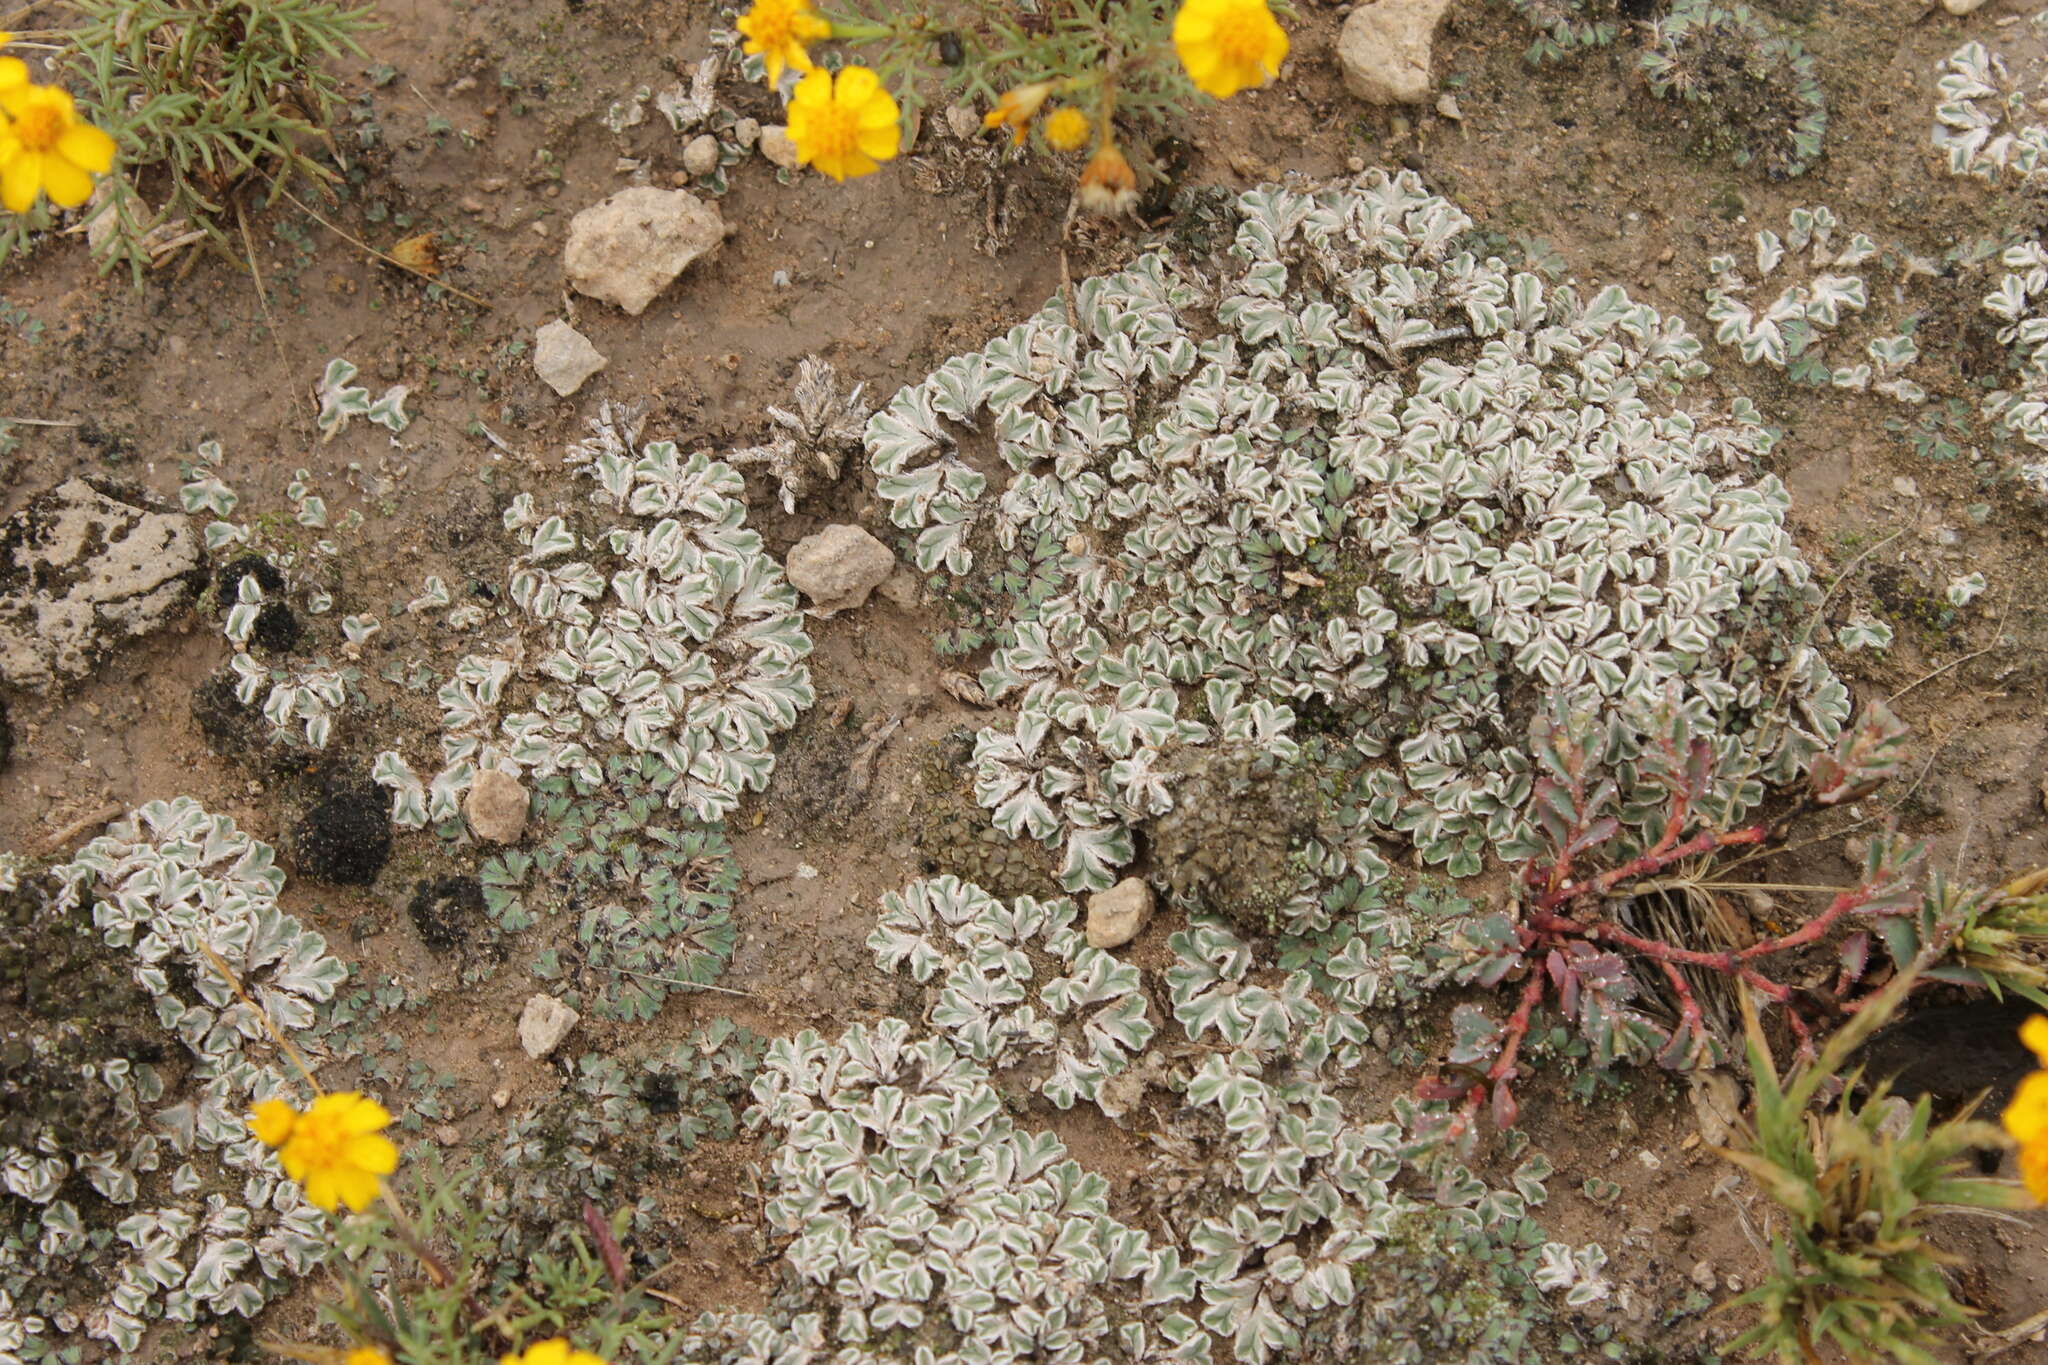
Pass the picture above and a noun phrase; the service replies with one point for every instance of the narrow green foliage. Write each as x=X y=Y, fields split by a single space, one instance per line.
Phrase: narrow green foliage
x=1990 y=938
x=200 y=95
x=1853 y=1270
x=438 y=1319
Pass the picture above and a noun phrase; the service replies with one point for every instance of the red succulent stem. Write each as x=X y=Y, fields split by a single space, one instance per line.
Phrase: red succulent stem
x=1503 y=1068
x=1653 y=860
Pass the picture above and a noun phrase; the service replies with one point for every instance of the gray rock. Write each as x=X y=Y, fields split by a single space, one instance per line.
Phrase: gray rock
x=1384 y=50
x=496 y=806
x=701 y=156
x=83 y=568
x=630 y=247
x=543 y=1024
x=838 y=567
x=563 y=357
x=747 y=132
x=776 y=146
x=1120 y=914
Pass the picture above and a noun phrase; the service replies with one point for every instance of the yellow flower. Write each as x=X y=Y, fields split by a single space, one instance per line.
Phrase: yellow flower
x=1066 y=130
x=843 y=125
x=554 y=1351
x=2026 y=1117
x=336 y=1148
x=1228 y=45
x=2034 y=1033
x=368 y=1355
x=1016 y=108
x=777 y=30
x=1108 y=185
x=44 y=149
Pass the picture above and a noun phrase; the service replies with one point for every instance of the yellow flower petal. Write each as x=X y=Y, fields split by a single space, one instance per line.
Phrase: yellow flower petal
x=2034 y=1033
x=13 y=72
x=372 y=1152
x=67 y=186
x=271 y=1121
x=857 y=85
x=2026 y=1117
x=2034 y=1170
x=87 y=148
x=368 y=1355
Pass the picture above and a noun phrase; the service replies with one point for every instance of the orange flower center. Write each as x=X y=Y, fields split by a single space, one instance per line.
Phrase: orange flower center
x=833 y=131
x=40 y=128
x=318 y=1140
x=1241 y=37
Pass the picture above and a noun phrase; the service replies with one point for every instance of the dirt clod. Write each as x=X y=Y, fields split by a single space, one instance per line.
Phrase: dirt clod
x=345 y=838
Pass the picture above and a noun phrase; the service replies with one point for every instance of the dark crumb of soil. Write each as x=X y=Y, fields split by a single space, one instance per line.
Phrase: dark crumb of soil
x=236 y=731
x=346 y=838
x=277 y=629
x=228 y=585
x=446 y=910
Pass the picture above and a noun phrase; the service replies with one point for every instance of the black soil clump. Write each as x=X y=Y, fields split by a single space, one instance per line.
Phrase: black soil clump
x=447 y=911
x=239 y=732
x=228 y=583
x=277 y=629
x=346 y=837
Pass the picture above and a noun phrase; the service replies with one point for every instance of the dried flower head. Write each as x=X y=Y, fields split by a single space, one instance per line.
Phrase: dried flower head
x=1016 y=108
x=1108 y=185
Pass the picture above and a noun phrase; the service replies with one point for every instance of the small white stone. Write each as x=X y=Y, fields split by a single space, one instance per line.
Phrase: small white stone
x=1384 y=50
x=628 y=248
x=701 y=156
x=1962 y=7
x=1120 y=914
x=563 y=357
x=543 y=1024
x=747 y=132
x=1906 y=486
x=776 y=146
x=1447 y=107
x=496 y=806
x=838 y=567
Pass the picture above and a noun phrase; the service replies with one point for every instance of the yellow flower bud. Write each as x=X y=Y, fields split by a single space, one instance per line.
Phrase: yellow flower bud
x=1066 y=129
